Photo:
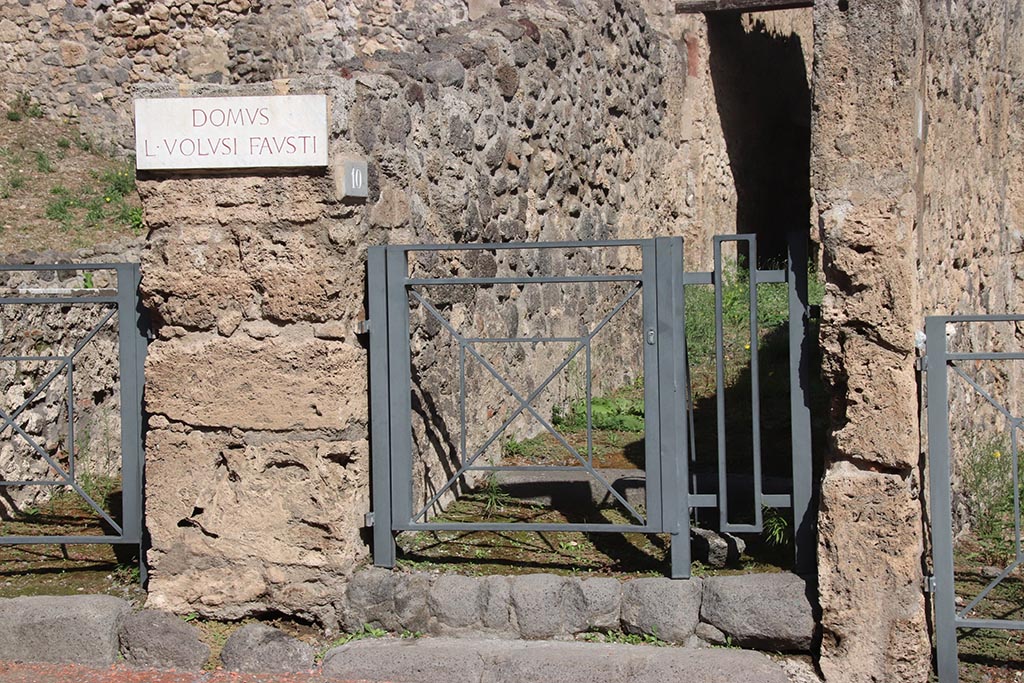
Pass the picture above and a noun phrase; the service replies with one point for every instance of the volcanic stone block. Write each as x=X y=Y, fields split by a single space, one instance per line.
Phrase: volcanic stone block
x=258 y=648
x=81 y=629
x=766 y=611
x=664 y=608
x=161 y=640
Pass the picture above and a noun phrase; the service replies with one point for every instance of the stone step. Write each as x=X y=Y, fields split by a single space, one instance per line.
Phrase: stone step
x=447 y=660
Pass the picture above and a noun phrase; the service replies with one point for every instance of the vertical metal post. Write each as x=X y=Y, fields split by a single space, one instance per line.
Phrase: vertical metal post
x=755 y=385
x=655 y=488
x=939 y=478
x=672 y=402
x=718 y=276
x=71 y=414
x=132 y=343
x=399 y=385
x=380 y=437
x=804 y=522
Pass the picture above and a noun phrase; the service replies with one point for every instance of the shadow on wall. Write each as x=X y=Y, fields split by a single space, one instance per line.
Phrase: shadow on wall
x=764 y=103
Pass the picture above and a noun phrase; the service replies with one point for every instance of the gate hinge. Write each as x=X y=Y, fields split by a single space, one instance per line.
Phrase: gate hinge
x=929 y=584
x=363 y=326
x=921 y=363
x=368 y=519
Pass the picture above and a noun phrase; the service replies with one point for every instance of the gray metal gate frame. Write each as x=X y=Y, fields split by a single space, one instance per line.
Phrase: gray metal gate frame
x=132 y=342
x=672 y=496
x=938 y=362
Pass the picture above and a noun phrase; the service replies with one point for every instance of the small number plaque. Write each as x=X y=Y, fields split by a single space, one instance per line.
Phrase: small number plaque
x=355 y=181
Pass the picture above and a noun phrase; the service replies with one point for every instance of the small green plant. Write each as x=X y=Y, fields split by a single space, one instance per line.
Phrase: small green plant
x=127 y=574
x=364 y=631
x=988 y=485
x=191 y=616
x=494 y=496
x=775 y=527
x=43 y=163
x=87 y=281
x=63 y=143
x=406 y=635
x=624 y=638
x=513 y=447
x=620 y=413
x=23 y=106
x=84 y=143
x=132 y=216
x=16 y=180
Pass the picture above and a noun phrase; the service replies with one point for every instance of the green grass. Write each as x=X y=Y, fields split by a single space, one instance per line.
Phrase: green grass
x=43 y=163
x=107 y=198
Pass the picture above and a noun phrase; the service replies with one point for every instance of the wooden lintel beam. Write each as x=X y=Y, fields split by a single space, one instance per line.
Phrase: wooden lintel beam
x=692 y=6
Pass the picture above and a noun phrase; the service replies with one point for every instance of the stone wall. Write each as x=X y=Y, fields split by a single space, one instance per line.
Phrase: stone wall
x=970 y=242
x=82 y=59
x=513 y=128
x=917 y=117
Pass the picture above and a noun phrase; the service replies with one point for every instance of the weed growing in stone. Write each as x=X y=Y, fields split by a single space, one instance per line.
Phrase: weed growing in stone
x=623 y=638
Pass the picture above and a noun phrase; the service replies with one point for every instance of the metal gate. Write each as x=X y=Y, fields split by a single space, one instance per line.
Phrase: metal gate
x=659 y=284
x=942 y=364
x=113 y=305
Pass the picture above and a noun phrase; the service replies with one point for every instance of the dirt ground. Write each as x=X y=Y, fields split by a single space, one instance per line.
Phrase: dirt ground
x=60 y=191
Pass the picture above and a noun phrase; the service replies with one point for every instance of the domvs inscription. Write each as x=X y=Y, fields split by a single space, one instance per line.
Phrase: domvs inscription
x=231 y=132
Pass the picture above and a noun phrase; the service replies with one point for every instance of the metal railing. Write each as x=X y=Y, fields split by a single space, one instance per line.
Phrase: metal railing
x=122 y=308
x=671 y=493
x=940 y=364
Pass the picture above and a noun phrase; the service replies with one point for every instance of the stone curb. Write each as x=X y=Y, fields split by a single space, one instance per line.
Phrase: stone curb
x=436 y=660
x=766 y=611
x=770 y=611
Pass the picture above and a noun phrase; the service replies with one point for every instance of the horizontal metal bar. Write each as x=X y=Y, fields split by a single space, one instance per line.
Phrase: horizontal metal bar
x=995 y=355
x=979 y=318
x=531 y=468
x=767 y=277
x=523 y=280
x=33 y=358
x=703 y=278
x=64 y=266
x=703 y=500
x=64 y=540
x=523 y=340
x=33 y=483
x=741 y=528
x=37 y=291
x=524 y=526
x=58 y=300
x=997 y=624
x=777 y=500
x=490 y=246
x=764 y=277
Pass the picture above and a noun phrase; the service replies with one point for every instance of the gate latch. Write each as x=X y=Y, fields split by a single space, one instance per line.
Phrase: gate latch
x=650 y=336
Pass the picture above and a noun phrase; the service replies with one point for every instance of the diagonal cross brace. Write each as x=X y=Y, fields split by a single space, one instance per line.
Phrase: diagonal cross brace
x=8 y=420
x=65 y=360
x=524 y=403
x=977 y=387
